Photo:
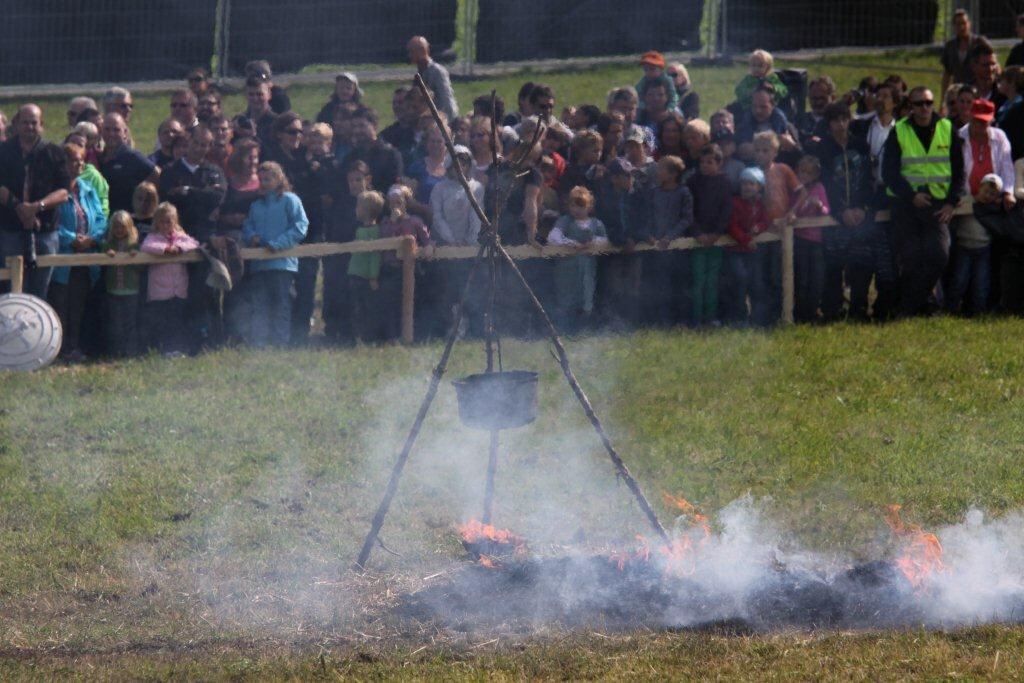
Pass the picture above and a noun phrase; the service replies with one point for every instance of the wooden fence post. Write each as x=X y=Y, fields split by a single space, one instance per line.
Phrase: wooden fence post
x=408 y=255
x=788 y=277
x=16 y=264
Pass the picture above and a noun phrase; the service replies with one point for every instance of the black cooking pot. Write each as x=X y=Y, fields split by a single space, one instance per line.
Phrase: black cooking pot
x=497 y=400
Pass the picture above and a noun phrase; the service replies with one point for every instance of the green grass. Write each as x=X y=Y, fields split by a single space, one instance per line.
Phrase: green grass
x=194 y=519
x=575 y=87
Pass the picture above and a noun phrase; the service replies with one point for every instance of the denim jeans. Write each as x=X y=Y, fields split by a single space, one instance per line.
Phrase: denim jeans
x=16 y=243
x=270 y=295
x=972 y=278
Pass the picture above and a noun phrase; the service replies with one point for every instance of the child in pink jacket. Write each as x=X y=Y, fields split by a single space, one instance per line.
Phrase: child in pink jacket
x=168 y=282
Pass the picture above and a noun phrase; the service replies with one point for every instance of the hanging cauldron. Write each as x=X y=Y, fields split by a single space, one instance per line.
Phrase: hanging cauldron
x=497 y=400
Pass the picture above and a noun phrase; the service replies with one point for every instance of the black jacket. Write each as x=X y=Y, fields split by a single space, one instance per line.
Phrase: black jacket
x=206 y=189
x=46 y=170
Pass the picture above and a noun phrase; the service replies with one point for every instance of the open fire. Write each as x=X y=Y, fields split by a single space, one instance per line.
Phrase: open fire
x=725 y=575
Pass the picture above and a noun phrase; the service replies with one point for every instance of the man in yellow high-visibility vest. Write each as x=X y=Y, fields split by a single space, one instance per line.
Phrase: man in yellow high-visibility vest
x=923 y=170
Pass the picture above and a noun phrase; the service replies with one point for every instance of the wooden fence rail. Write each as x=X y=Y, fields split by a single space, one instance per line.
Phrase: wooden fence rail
x=407 y=251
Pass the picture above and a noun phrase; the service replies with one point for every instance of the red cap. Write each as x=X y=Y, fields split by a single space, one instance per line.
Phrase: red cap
x=653 y=58
x=983 y=110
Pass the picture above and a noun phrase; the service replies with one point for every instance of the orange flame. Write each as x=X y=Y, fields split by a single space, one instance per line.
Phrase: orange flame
x=922 y=552
x=679 y=557
x=474 y=531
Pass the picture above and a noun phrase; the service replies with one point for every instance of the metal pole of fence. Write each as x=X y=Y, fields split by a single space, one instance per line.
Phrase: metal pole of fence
x=408 y=255
x=224 y=38
x=16 y=266
x=723 y=20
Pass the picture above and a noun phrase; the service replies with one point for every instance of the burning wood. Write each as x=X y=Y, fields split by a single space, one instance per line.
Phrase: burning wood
x=921 y=551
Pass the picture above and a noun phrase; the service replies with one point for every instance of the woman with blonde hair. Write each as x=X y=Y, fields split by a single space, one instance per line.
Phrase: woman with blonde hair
x=277 y=222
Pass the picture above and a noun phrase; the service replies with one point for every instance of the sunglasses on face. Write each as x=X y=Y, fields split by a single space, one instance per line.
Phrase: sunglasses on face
x=922 y=103
x=196 y=79
x=294 y=132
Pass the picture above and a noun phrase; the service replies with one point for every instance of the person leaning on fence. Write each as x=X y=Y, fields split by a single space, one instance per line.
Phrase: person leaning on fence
x=34 y=182
x=986 y=151
x=197 y=188
x=352 y=180
x=455 y=223
x=712 y=208
x=368 y=320
x=289 y=152
x=923 y=170
x=746 y=258
x=167 y=286
x=398 y=222
x=666 y=277
x=808 y=252
x=576 y=276
x=857 y=249
x=623 y=204
x=276 y=222
x=81 y=225
x=121 y=294
x=782 y=192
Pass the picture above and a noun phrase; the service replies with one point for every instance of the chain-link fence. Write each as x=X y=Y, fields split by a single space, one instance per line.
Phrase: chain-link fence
x=73 y=41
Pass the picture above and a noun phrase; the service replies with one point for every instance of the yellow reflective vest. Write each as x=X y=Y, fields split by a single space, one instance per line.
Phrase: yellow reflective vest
x=931 y=167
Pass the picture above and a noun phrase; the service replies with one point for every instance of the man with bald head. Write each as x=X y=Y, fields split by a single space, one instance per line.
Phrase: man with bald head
x=34 y=180
x=123 y=167
x=434 y=75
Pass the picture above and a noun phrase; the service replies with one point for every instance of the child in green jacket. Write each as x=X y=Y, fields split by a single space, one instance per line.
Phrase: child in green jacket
x=364 y=271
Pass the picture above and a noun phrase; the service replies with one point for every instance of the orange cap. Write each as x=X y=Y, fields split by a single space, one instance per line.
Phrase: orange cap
x=653 y=58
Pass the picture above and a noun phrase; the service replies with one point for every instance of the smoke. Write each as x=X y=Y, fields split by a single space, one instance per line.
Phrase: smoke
x=983 y=576
x=262 y=562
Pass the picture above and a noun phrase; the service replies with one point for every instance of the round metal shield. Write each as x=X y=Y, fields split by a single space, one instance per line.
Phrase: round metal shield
x=30 y=332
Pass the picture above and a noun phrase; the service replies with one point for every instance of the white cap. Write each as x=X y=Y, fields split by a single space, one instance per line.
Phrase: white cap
x=993 y=179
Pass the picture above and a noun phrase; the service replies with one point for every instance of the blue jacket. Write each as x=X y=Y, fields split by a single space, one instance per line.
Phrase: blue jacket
x=67 y=226
x=281 y=223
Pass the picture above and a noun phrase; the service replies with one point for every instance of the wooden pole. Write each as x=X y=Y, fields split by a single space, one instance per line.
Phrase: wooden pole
x=408 y=255
x=414 y=432
x=788 y=276
x=492 y=469
x=16 y=264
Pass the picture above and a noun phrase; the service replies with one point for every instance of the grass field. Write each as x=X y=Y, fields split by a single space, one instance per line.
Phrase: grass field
x=195 y=519
x=715 y=84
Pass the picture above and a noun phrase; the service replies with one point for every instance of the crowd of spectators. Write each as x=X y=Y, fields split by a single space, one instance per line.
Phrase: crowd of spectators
x=641 y=167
